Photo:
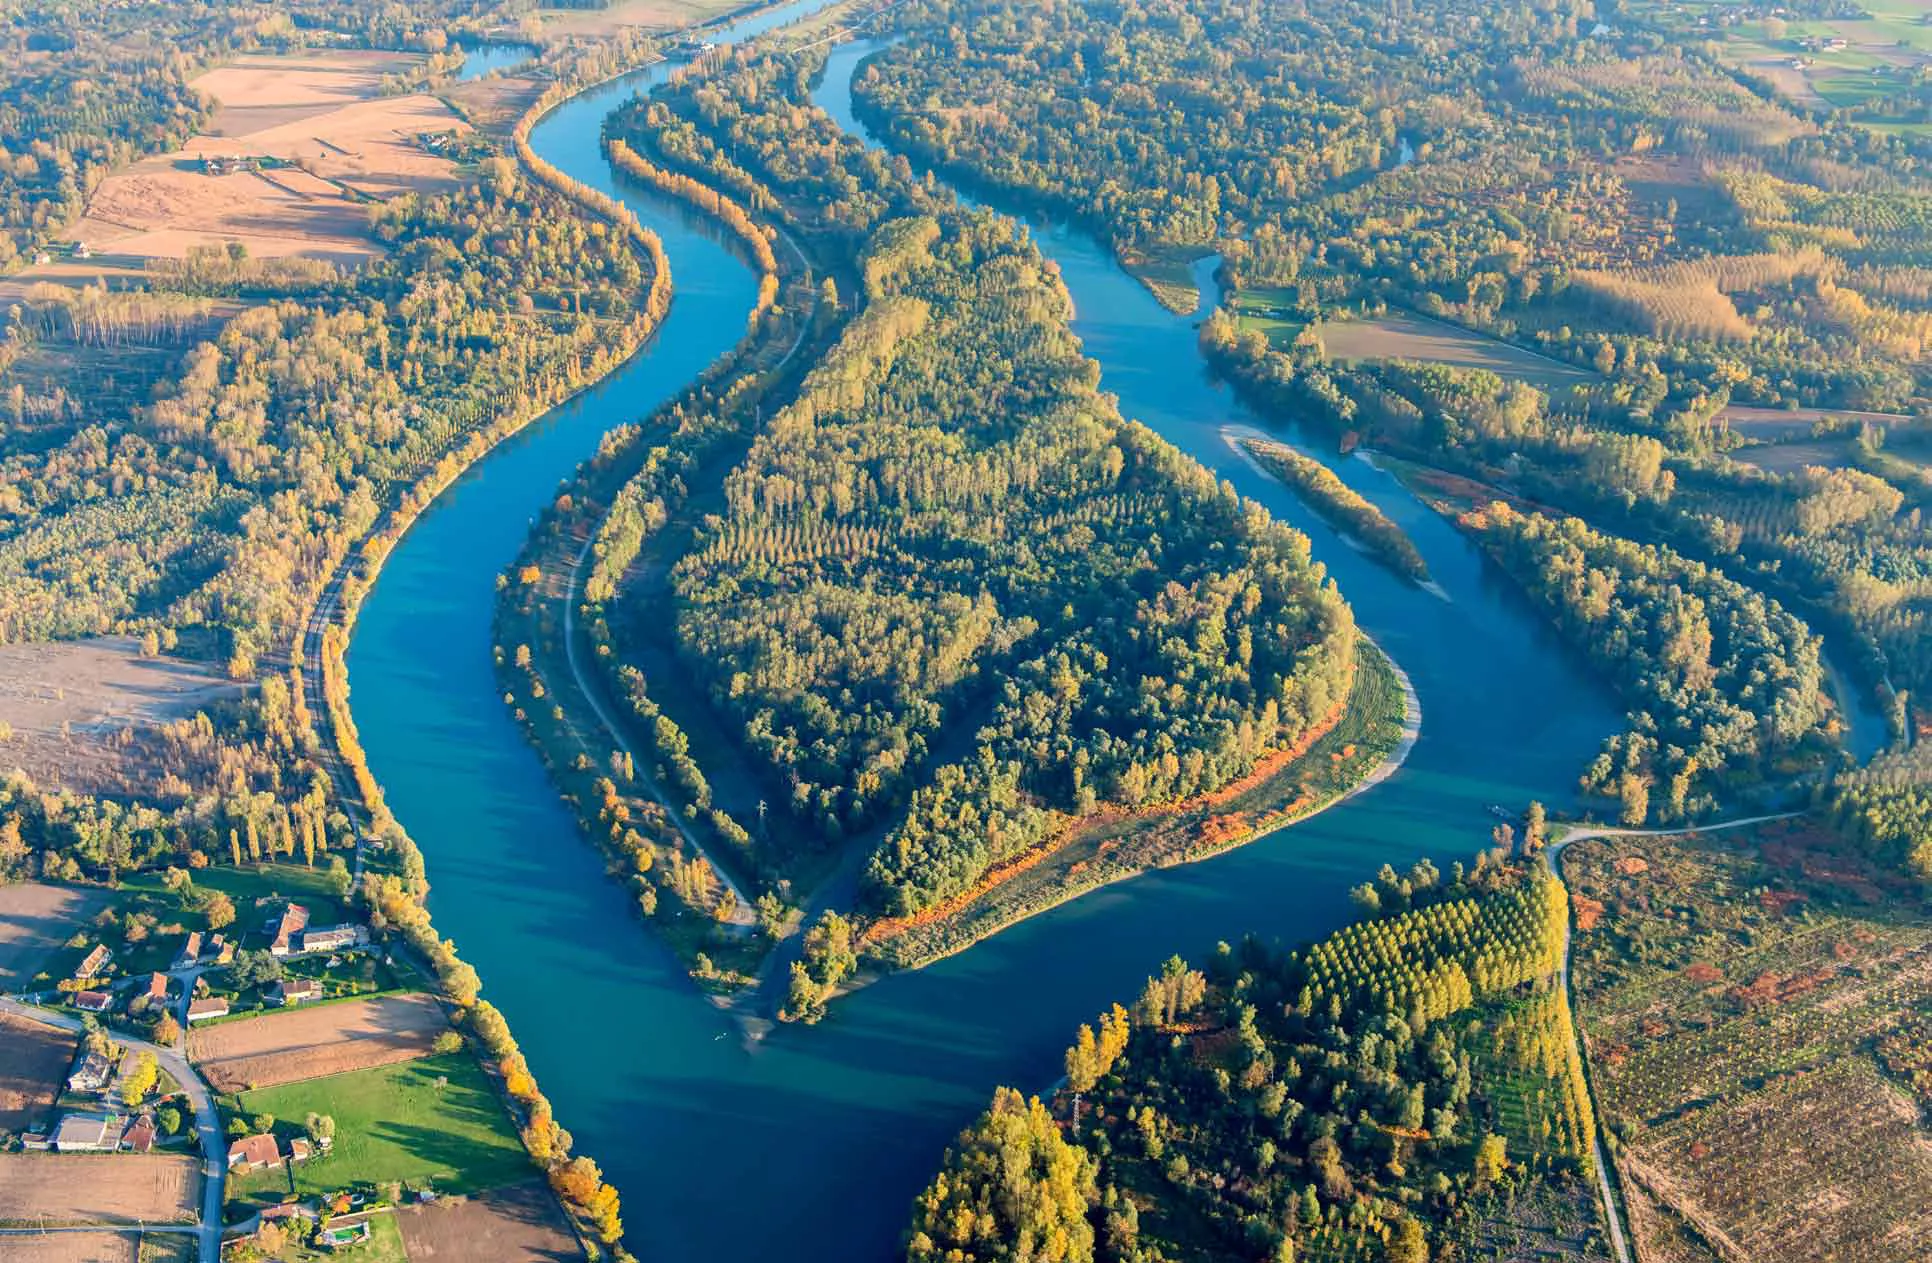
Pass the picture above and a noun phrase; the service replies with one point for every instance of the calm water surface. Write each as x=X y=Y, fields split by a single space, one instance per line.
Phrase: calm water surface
x=481 y=59
x=810 y=1145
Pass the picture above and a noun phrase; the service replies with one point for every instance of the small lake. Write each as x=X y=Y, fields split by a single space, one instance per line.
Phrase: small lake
x=483 y=59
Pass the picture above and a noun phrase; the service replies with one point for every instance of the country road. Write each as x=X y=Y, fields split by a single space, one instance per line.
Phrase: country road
x=214 y=1152
x=1554 y=851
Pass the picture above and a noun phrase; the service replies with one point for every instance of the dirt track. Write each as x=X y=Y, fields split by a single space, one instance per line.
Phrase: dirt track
x=308 y=1043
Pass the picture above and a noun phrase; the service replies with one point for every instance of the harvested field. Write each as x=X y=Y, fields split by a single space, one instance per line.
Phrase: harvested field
x=1790 y=458
x=35 y=919
x=516 y=1223
x=657 y=15
x=337 y=144
x=495 y=104
x=1771 y=425
x=87 y=1188
x=1431 y=341
x=309 y=1043
x=67 y=701
x=70 y=1247
x=33 y=1062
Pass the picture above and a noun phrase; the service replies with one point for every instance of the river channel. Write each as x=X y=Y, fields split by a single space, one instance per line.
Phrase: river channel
x=809 y=1145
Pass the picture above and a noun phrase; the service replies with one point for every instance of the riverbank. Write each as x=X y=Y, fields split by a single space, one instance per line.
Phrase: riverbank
x=1360 y=747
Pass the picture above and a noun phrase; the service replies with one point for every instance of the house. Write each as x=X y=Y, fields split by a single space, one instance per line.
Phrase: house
x=93 y=1001
x=139 y=1136
x=35 y=1141
x=91 y=1072
x=190 y=953
x=157 y=988
x=87 y=1133
x=300 y=1150
x=252 y=1153
x=212 y=1007
x=222 y=948
x=343 y=1230
x=95 y=962
x=331 y=938
x=293 y=991
x=282 y=930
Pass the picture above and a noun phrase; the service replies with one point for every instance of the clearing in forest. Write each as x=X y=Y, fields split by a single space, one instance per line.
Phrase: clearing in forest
x=33 y=1061
x=90 y=1188
x=299 y=146
x=66 y=703
x=1758 y=1009
x=308 y=1043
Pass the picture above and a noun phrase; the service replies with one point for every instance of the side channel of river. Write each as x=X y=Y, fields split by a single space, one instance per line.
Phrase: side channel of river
x=810 y=1145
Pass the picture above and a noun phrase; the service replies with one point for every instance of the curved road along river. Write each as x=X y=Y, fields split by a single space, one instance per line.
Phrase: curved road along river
x=810 y=1145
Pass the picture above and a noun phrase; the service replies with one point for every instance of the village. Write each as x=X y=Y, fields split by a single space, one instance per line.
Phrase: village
x=235 y=1063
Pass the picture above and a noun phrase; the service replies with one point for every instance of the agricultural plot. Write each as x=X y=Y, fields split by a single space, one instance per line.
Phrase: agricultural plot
x=329 y=1039
x=33 y=1062
x=434 y=1121
x=70 y=1247
x=1428 y=341
x=523 y=1222
x=68 y=1188
x=1752 y=1004
x=35 y=920
x=315 y=139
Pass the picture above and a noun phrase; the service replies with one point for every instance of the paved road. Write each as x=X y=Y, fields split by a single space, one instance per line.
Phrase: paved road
x=214 y=1152
x=1555 y=851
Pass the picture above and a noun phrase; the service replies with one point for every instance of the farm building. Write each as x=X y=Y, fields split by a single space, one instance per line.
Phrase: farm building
x=157 y=987
x=284 y=929
x=139 y=1136
x=331 y=938
x=87 y=1133
x=252 y=1153
x=190 y=953
x=93 y=1001
x=294 y=991
x=91 y=1072
x=95 y=961
x=211 y=1007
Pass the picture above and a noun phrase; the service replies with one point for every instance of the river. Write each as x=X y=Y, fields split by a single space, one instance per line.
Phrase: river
x=810 y=1145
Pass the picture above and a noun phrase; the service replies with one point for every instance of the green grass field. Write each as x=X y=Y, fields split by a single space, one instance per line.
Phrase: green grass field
x=433 y=1121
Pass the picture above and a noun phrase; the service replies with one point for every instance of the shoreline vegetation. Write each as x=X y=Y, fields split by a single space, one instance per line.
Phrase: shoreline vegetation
x=1363 y=741
x=1338 y=504
x=591 y=1204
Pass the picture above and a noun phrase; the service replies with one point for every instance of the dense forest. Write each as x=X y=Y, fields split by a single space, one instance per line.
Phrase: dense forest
x=1708 y=272
x=1720 y=679
x=952 y=600
x=1407 y=1088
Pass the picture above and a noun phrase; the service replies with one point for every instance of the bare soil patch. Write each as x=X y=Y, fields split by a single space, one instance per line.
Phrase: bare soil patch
x=70 y=1247
x=68 y=701
x=279 y=1048
x=494 y=104
x=322 y=113
x=652 y=14
x=35 y=919
x=519 y=1223
x=1408 y=337
x=33 y=1061
x=86 y=1188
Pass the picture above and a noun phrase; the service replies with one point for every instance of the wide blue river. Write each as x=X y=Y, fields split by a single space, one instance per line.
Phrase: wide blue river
x=809 y=1145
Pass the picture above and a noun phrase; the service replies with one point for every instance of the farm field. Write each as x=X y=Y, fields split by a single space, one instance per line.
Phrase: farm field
x=33 y=1063
x=652 y=14
x=67 y=701
x=1756 y=1008
x=432 y=1121
x=522 y=1222
x=328 y=1039
x=70 y=1247
x=322 y=116
x=1407 y=337
x=35 y=920
x=57 y=1188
